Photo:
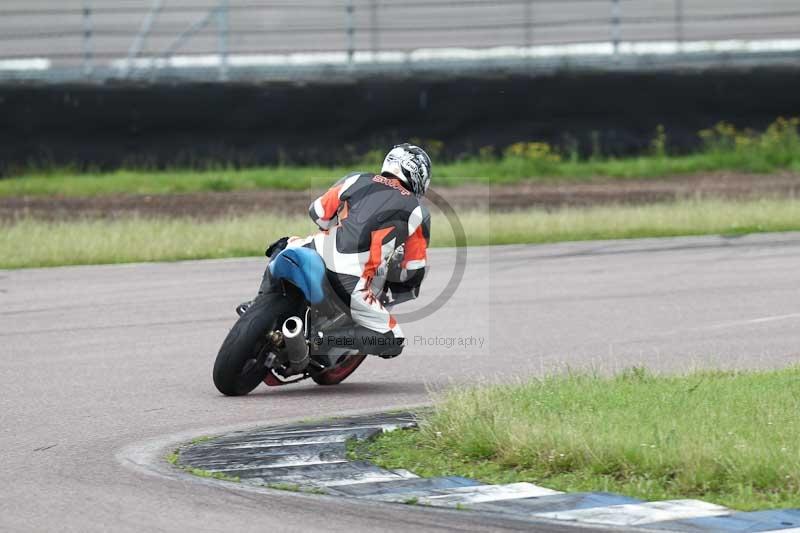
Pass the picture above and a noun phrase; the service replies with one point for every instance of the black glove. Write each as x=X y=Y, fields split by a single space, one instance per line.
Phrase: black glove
x=276 y=247
x=401 y=292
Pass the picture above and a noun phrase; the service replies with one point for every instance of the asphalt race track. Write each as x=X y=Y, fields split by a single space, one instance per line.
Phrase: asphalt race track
x=98 y=361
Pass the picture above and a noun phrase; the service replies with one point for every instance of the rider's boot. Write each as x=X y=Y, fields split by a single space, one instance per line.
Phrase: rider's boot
x=363 y=339
x=242 y=307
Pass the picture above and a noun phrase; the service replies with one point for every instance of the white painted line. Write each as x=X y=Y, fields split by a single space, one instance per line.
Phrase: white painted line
x=602 y=48
x=277 y=441
x=31 y=63
x=488 y=493
x=279 y=433
x=278 y=464
x=288 y=442
x=761 y=320
x=470 y=494
x=367 y=477
x=640 y=513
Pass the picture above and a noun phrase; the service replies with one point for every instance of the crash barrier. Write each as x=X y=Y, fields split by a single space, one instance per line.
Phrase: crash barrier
x=222 y=40
x=193 y=125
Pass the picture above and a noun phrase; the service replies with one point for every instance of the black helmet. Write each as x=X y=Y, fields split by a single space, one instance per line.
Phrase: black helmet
x=410 y=164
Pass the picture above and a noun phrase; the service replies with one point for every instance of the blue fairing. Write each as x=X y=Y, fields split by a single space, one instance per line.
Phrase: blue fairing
x=303 y=268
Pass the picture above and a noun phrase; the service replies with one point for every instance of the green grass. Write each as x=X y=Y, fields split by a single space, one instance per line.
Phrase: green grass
x=67 y=183
x=724 y=148
x=729 y=438
x=173 y=458
x=222 y=476
x=36 y=243
x=289 y=487
x=294 y=487
x=497 y=172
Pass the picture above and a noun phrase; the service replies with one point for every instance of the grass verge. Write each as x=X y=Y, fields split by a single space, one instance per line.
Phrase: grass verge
x=36 y=243
x=173 y=458
x=723 y=148
x=729 y=438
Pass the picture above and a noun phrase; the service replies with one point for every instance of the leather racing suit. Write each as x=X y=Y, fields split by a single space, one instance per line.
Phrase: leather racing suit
x=364 y=219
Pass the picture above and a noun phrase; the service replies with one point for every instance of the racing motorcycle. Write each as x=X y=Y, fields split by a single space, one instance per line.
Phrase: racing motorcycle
x=277 y=340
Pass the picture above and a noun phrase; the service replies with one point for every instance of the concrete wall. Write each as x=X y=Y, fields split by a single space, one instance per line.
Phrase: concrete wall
x=192 y=125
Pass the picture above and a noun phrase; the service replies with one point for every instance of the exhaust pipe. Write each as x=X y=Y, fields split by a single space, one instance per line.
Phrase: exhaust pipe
x=296 y=346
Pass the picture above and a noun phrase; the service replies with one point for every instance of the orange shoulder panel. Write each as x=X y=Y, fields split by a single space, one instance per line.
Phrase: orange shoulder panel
x=416 y=248
x=330 y=202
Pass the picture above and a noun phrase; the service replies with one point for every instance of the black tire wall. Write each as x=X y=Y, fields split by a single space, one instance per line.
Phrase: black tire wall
x=108 y=126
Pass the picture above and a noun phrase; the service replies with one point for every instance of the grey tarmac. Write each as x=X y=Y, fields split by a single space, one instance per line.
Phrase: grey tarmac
x=103 y=368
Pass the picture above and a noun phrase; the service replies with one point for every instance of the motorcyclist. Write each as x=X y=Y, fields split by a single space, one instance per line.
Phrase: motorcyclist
x=374 y=233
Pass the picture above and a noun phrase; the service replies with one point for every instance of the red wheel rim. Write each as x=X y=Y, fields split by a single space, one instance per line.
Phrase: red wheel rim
x=271 y=380
x=340 y=372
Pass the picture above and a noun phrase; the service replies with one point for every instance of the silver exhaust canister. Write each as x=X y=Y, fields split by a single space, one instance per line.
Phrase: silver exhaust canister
x=296 y=345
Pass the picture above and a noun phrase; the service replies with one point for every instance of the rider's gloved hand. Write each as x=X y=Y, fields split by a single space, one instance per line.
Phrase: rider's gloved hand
x=394 y=267
x=276 y=247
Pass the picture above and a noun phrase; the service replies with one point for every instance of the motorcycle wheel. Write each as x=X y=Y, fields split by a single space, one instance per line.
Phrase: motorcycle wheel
x=340 y=372
x=239 y=366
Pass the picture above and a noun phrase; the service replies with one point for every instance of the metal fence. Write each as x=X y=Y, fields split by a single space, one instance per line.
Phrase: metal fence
x=100 y=39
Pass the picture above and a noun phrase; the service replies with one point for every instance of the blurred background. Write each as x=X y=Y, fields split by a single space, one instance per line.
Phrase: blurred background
x=218 y=107
x=266 y=82
x=97 y=40
x=104 y=84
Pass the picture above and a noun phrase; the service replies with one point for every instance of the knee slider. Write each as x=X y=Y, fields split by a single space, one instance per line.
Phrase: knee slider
x=393 y=348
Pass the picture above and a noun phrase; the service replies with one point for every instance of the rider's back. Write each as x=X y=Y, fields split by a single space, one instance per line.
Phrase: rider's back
x=375 y=204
